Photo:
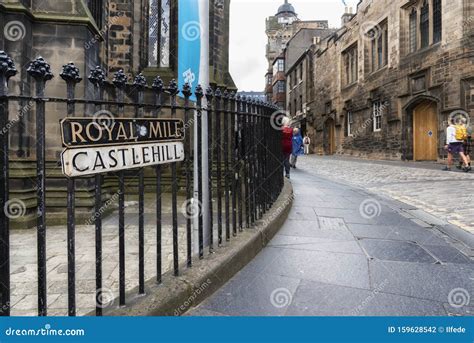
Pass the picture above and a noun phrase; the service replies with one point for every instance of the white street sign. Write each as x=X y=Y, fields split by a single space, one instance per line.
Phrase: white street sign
x=95 y=160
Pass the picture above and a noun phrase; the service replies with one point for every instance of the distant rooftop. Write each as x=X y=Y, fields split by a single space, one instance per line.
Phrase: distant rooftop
x=286 y=9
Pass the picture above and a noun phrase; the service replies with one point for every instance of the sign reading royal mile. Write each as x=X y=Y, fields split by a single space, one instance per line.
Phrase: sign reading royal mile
x=96 y=146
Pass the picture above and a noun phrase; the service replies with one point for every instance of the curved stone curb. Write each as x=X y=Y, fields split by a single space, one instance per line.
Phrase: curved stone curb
x=177 y=294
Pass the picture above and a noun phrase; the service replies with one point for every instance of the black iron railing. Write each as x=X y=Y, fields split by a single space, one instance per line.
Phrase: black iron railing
x=245 y=173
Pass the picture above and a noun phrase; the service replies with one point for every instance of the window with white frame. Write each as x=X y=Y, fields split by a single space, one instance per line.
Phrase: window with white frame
x=350 y=122
x=281 y=65
x=377 y=109
x=279 y=87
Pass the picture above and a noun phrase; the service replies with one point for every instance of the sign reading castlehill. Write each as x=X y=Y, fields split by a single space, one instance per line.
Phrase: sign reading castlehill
x=96 y=146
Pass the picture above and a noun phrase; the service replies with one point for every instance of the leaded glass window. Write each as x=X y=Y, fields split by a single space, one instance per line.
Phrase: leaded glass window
x=351 y=64
x=425 y=25
x=413 y=29
x=380 y=51
x=159 y=33
x=437 y=23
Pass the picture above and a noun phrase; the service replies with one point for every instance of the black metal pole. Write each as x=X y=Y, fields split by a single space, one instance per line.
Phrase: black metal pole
x=40 y=70
x=190 y=203
x=70 y=74
x=199 y=94
x=239 y=159
x=140 y=84
x=7 y=70
x=210 y=142
x=217 y=151
x=158 y=88
x=173 y=91
x=233 y=157
x=225 y=146
x=246 y=143
x=97 y=78
x=120 y=80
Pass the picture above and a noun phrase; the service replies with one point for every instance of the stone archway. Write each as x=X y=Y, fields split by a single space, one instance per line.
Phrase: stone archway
x=421 y=130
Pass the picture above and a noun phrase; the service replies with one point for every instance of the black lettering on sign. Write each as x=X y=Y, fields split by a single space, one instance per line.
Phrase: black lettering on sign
x=96 y=160
x=81 y=132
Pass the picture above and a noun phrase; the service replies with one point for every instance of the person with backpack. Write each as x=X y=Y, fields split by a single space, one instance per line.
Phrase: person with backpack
x=297 y=147
x=467 y=146
x=286 y=145
x=306 y=142
x=456 y=134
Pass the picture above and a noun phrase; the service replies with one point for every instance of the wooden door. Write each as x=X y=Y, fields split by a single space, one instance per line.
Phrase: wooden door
x=425 y=132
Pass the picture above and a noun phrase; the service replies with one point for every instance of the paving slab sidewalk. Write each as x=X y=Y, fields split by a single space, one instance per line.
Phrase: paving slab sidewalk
x=345 y=251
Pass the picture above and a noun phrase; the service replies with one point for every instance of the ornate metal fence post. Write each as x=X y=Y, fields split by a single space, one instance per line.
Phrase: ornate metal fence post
x=120 y=80
x=266 y=173
x=225 y=147
x=158 y=88
x=199 y=94
x=253 y=162
x=245 y=145
x=239 y=159
x=140 y=84
x=40 y=70
x=173 y=91
x=70 y=74
x=217 y=152
x=7 y=70
x=190 y=201
x=209 y=97
x=97 y=78
x=261 y=160
x=233 y=160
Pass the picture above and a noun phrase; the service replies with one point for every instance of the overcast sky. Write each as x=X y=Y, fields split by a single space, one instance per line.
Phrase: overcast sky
x=247 y=33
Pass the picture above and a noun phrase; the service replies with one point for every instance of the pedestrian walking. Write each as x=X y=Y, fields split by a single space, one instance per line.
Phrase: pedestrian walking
x=456 y=134
x=286 y=145
x=467 y=146
x=307 y=143
x=297 y=147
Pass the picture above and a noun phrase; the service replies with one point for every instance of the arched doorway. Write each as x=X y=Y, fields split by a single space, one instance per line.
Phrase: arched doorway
x=425 y=131
x=330 y=137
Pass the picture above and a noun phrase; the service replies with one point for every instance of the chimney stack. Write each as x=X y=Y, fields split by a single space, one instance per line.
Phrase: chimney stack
x=347 y=16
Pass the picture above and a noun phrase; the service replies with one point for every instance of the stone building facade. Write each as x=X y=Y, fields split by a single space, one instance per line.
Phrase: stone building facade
x=299 y=53
x=280 y=28
x=136 y=36
x=387 y=82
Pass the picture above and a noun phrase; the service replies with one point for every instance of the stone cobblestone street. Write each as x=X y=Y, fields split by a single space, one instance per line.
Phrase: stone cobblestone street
x=446 y=195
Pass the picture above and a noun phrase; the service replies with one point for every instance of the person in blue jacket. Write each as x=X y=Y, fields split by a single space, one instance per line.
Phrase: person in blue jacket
x=297 y=148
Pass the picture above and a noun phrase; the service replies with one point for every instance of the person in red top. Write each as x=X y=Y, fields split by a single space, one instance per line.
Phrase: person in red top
x=286 y=144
